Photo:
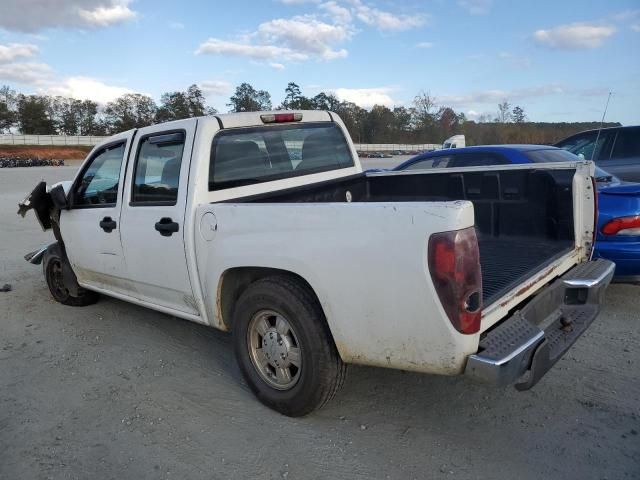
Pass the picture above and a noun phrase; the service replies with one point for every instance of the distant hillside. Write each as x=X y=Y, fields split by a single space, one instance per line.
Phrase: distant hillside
x=526 y=132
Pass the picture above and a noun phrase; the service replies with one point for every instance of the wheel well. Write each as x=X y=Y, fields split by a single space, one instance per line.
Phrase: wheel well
x=235 y=280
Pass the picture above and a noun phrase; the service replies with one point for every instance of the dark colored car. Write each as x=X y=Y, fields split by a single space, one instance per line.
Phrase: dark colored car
x=618 y=235
x=617 y=150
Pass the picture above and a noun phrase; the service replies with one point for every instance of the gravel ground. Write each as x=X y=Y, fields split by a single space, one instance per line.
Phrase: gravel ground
x=117 y=391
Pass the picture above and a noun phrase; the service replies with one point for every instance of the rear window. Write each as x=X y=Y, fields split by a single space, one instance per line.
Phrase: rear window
x=544 y=156
x=244 y=156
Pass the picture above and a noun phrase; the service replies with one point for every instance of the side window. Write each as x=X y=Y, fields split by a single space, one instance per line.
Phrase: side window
x=157 y=168
x=585 y=145
x=99 y=183
x=440 y=161
x=479 y=159
x=627 y=144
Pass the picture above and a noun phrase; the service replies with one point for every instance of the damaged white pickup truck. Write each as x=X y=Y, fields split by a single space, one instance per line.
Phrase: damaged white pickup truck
x=264 y=224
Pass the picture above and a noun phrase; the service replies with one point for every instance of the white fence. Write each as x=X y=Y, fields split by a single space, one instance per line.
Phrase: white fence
x=394 y=147
x=8 y=139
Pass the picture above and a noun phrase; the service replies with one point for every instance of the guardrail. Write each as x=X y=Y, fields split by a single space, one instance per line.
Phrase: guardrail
x=9 y=139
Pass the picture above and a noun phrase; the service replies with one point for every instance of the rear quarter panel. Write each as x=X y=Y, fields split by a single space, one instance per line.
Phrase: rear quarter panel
x=366 y=262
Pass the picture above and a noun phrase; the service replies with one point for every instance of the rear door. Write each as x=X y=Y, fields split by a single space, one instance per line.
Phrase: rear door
x=152 y=218
x=624 y=162
x=90 y=228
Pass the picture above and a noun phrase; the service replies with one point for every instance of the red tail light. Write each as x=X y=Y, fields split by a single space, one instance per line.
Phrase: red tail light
x=623 y=226
x=454 y=264
x=281 y=117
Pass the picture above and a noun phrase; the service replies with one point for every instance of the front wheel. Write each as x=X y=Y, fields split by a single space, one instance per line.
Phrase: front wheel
x=53 y=265
x=284 y=347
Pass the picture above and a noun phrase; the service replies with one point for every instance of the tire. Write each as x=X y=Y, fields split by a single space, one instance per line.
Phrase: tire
x=52 y=265
x=319 y=372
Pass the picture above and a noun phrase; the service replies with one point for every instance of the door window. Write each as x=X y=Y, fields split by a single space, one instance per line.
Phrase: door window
x=98 y=186
x=157 y=169
x=585 y=145
x=627 y=144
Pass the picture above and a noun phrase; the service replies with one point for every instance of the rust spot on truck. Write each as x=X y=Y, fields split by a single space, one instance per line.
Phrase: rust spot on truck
x=528 y=286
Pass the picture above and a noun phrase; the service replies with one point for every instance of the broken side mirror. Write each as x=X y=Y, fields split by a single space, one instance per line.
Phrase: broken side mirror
x=59 y=197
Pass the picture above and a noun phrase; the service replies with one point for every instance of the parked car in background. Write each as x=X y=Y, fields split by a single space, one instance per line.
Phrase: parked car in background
x=617 y=150
x=457 y=141
x=618 y=235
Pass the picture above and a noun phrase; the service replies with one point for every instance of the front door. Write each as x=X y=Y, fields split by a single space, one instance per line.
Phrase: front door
x=152 y=219
x=90 y=228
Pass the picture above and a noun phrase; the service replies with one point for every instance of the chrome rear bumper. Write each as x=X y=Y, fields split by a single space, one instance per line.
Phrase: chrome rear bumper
x=525 y=346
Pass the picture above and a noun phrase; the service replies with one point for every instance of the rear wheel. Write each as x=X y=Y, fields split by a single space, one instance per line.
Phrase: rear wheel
x=54 y=275
x=284 y=347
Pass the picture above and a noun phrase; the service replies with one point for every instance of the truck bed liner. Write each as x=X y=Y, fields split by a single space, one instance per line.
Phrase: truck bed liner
x=504 y=266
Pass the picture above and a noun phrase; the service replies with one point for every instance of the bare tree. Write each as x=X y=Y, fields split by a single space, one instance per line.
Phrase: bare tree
x=424 y=107
x=504 y=112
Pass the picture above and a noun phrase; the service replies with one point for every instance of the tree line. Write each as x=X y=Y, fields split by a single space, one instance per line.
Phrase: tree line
x=423 y=121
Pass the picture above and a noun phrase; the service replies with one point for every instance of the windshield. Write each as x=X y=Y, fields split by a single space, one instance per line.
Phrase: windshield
x=558 y=155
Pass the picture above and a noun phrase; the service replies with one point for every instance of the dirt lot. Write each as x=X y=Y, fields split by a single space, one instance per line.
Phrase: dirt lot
x=73 y=153
x=117 y=391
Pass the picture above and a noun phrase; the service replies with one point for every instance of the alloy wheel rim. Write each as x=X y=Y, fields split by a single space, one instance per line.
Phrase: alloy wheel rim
x=274 y=349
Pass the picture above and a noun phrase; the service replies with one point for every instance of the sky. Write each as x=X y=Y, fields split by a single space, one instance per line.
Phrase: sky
x=556 y=59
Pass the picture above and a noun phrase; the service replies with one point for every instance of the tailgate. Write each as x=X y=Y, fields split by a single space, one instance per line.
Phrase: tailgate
x=529 y=264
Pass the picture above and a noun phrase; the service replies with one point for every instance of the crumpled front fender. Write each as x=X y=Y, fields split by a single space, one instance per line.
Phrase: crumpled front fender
x=40 y=201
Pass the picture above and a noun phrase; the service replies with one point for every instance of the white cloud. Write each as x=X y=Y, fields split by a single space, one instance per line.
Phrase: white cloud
x=366 y=97
x=574 y=36
x=635 y=27
x=338 y=13
x=105 y=16
x=35 y=15
x=11 y=51
x=215 y=46
x=296 y=39
x=317 y=36
x=277 y=66
x=388 y=21
x=27 y=73
x=215 y=87
x=476 y=7
x=85 y=88
x=424 y=45
x=307 y=35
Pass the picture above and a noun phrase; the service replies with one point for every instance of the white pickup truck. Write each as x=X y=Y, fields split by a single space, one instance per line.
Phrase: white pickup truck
x=264 y=224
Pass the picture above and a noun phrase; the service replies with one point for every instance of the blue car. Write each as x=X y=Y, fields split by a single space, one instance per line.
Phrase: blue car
x=618 y=236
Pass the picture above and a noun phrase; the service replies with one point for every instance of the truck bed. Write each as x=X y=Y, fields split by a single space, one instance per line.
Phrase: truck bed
x=504 y=267
x=524 y=218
